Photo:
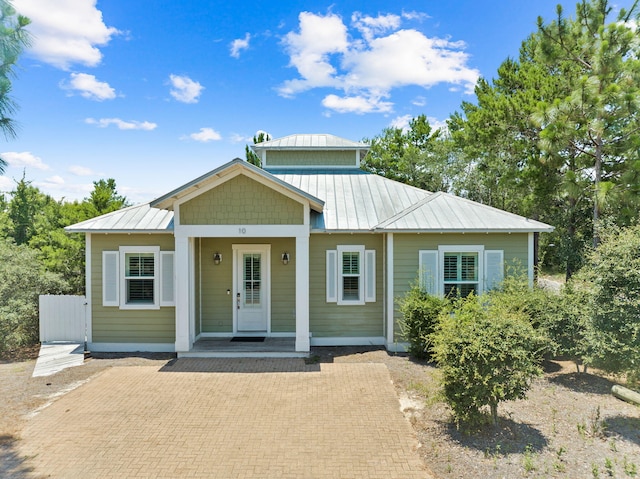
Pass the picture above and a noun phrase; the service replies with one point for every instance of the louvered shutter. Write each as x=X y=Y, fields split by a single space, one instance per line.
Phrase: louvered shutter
x=332 y=276
x=429 y=277
x=110 y=278
x=370 y=276
x=167 y=287
x=494 y=268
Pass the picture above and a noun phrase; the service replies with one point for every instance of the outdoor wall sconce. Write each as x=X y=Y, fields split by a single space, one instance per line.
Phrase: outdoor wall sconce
x=217 y=258
x=285 y=258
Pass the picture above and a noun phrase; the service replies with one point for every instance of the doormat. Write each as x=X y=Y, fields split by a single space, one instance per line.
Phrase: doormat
x=247 y=339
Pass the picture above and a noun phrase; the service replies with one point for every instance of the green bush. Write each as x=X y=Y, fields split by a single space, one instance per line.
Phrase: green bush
x=420 y=313
x=613 y=274
x=487 y=353
x=22 y=280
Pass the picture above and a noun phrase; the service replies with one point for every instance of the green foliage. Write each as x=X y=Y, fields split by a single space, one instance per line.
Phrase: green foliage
x=420 y=312
x=417 y=157
x=613 y=274
x=13 y=39
x=250 y=155
x=22 y=280
x=105 y=198
x=487 y=353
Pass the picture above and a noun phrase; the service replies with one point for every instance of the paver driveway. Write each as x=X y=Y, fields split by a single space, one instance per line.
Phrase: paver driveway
x=227 y=419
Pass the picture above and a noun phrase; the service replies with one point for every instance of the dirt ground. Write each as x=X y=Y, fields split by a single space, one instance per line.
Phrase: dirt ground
x=570 y=426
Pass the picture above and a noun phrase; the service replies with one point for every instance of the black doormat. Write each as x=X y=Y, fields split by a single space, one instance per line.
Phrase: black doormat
x=247 y=339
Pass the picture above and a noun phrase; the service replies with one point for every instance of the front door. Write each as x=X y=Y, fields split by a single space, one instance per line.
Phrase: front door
x=252 y=293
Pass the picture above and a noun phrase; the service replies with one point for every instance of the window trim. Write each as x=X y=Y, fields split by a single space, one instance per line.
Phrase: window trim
x=124 y=250
x=461 y=249
x=341 y=249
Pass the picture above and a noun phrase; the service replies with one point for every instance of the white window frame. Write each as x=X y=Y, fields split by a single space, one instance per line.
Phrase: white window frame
x=124 y=250
x=342 y=249
x=462 y=249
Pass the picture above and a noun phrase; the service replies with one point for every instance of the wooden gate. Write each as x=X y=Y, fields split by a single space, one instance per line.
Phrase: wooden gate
x=63 y=318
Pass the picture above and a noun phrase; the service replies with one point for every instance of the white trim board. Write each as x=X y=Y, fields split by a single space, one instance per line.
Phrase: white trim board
x=349 y=341
x=131 y=347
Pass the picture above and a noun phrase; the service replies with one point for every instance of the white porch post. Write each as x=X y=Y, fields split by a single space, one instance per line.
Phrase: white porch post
x=389 y=290
x=183 y=342
x=302 y=293
x=530 y=259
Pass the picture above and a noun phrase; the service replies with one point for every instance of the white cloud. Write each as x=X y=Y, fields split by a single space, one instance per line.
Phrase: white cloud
x=184 y=89
x=121 y=124
x=401 y=122
x=66 y=32
x=81 y=170
x=309 y=51
x=238 y=45
x=356 y=104
x=205 y=135
x=374 y=26
x=238 y=138
x=419 y=101
x=23 y=159
x=367 y=69
x=55 y=180
x=89 y=87
x=6 y=184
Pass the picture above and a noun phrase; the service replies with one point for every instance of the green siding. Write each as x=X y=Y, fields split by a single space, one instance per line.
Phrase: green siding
x=241 y=200
x=329 y=319
x=115 y=325
x=217 y=305
x=406 y=247
x=311 y=158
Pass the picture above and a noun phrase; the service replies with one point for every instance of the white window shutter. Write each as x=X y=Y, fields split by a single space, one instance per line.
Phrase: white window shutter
x=110 y=278
x=429 y=276
x=370 y=276
x=167 y=281
x=494 y=269
x=332 y=276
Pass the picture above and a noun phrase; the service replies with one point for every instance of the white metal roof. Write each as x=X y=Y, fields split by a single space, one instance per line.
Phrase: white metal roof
x=315 y=141
x=354 y=200
x=135 y=219
x=442 y=212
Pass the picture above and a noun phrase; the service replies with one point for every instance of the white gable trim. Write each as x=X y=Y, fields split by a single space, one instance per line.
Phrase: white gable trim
x=234 y=172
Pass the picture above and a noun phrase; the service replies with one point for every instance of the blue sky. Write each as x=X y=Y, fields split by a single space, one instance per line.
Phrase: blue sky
x=156 y=93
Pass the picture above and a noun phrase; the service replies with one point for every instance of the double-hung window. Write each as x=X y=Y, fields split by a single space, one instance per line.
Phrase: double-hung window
x=351 y=275
x=459 y=270
x=460 y=274
x=138 y=277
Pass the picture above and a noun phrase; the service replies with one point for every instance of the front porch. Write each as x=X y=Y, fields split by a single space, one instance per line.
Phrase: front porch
x=271 y=347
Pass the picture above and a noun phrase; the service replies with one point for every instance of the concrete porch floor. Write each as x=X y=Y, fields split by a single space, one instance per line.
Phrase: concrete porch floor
x=225 y=348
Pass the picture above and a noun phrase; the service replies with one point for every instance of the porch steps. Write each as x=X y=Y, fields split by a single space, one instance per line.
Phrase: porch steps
x=225 y=348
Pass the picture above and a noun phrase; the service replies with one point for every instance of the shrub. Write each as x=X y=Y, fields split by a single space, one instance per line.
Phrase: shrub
x=22 y=280
x=420 y=313
x=487 y=353
x=614 y=320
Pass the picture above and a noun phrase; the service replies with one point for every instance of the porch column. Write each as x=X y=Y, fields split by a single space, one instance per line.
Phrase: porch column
x=183 y=342
x=302 y=293
x=389 y=290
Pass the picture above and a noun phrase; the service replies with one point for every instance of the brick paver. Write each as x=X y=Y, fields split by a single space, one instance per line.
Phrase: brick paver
x=227 y=419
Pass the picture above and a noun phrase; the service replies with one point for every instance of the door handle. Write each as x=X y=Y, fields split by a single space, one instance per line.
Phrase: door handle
x=238 y=301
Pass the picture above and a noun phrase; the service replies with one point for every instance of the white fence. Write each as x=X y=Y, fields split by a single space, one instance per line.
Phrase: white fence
x=62 y=318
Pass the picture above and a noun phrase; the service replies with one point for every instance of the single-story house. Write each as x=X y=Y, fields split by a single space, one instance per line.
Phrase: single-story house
x=309 y=247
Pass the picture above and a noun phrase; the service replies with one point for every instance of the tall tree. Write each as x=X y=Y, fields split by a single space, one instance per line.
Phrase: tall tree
x=416 y=156
x=13 y=39
x=597 y=123
x=105 y=198
x=251 y=156
x=27 y=204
